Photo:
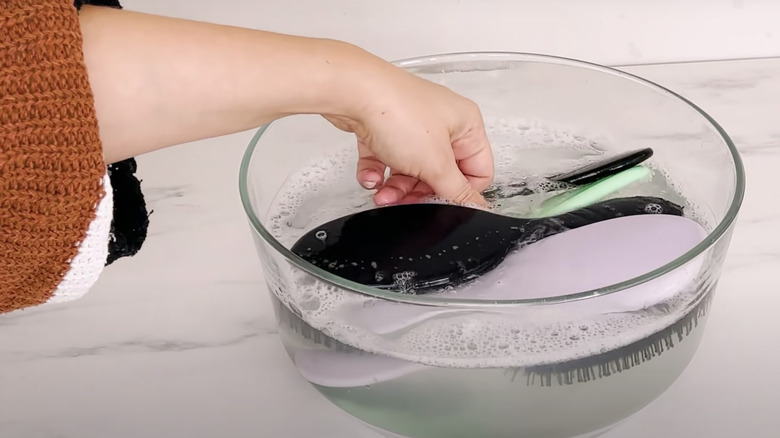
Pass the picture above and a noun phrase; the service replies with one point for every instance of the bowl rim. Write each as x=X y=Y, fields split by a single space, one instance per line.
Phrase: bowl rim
x=448 y=301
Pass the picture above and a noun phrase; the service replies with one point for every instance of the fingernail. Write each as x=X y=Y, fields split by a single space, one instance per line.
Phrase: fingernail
x=369 y=184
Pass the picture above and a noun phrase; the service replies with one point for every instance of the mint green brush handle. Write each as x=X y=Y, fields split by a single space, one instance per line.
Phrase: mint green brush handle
x=590 y=193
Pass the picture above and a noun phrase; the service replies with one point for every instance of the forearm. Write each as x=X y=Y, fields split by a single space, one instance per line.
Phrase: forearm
x=161 y=81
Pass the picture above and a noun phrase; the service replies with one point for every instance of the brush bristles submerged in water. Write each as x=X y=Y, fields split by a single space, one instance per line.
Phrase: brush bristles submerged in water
x=621 y=359
x=581 y=370
x=288 y=320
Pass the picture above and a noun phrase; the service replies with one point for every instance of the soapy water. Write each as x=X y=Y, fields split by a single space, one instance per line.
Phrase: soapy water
x=525 y=153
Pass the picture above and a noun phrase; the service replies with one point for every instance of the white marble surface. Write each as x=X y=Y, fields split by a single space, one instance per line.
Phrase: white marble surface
x=180 y=341
x=604 y=31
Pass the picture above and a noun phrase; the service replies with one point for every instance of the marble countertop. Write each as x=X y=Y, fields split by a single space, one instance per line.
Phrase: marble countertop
x=180 y=340
x=601 y=31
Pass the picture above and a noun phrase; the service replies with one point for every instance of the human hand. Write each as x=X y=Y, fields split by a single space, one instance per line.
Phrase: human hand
x=191 y=80
x=432 y=140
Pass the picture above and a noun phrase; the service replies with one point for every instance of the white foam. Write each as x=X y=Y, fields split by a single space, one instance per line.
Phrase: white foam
x=495 y=337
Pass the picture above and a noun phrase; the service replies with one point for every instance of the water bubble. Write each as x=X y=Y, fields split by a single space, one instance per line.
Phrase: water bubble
x=310 y=305
x=404 y=281
x=321 y=235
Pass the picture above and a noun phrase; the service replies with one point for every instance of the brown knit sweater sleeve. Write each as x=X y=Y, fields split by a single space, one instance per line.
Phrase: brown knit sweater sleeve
x=55 y=194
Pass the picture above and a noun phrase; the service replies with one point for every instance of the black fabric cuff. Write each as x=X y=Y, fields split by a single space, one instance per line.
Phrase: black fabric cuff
x=111 y=3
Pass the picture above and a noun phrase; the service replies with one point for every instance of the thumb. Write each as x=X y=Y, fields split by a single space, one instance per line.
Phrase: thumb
x=450 y=183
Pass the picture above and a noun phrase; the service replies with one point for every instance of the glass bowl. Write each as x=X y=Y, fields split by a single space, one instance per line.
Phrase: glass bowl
x=450 y=365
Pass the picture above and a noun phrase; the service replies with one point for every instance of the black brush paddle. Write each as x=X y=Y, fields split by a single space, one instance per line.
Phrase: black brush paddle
x=605 y=168
x=421 y=248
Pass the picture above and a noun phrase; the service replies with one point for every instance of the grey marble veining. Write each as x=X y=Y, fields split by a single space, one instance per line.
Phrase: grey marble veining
x=180 y=341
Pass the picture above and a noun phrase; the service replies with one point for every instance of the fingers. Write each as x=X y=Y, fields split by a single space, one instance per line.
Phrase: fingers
x=401 y=189
x=370 y=171
x=475 y=158
x=463 y=171
x=450 y=183
x=453 y=158
x=462 y=175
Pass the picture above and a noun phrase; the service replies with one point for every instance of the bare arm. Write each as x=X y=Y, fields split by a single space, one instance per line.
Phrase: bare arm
x=162 y=81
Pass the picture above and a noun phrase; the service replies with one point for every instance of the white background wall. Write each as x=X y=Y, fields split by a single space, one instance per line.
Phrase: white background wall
x=605 y=31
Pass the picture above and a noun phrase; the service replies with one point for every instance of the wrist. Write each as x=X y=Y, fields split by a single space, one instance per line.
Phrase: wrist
x=336 y=79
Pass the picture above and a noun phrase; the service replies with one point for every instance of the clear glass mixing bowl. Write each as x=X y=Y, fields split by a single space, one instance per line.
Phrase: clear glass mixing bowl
x=449 y=366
